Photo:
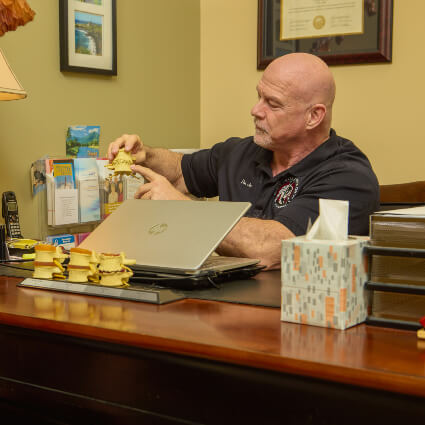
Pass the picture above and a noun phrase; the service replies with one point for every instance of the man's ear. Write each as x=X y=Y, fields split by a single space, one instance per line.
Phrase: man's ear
x=315 y=116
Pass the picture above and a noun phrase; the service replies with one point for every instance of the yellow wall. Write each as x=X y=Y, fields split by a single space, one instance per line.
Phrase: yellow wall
x=380 y=106
x=166 y=71
x=155 y=94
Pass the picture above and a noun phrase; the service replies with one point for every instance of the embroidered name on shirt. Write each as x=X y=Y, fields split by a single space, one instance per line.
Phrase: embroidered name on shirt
x=245 y=183
x=286 y=192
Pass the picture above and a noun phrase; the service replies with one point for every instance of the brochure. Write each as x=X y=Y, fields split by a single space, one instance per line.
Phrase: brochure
x=131 y=184
x=83 y=141
x=65 y=204
x=67 y=241
x=64 y=174
x=88 y=188
x=111 y=188
x=38 y=176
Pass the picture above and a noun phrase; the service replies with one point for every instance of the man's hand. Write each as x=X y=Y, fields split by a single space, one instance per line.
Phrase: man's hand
x=131 y=143
x=159 y=160
x=158 y=188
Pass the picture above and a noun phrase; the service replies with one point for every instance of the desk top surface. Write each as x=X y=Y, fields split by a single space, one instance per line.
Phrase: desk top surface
x=246 y=335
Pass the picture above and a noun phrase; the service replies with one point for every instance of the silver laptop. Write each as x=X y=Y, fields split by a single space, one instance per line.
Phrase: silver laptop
x=176 y=237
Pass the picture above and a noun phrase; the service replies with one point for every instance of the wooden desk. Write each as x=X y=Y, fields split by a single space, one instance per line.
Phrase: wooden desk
x=80 y=359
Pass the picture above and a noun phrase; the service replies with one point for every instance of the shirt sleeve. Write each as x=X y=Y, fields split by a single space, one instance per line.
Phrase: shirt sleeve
x=298 y=213
x=200 y=169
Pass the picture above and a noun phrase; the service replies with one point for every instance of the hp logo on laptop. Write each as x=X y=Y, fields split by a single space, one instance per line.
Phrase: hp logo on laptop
x=158 y=228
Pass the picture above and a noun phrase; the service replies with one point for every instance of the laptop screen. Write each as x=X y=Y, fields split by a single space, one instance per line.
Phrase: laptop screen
x=166 y=234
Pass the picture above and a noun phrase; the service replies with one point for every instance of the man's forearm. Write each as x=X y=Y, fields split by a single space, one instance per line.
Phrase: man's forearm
x=256 y=238
x=166 y=163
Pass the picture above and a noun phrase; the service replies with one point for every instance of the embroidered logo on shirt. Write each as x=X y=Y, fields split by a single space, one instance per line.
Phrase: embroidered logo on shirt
x=245 y=183
x=286 y=192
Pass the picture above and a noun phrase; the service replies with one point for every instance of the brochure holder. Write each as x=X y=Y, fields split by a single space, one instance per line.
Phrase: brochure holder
x=73 y=195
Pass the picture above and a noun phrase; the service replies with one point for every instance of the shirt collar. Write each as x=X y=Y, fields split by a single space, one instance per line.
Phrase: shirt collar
x=320 y=154
x=263 y=158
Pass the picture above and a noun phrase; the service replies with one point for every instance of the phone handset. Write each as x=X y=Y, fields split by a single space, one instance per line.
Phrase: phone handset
x=10 y=214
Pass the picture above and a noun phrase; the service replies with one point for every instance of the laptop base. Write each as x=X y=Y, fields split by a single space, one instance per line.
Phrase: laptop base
x=210 y=279
x=214 y=264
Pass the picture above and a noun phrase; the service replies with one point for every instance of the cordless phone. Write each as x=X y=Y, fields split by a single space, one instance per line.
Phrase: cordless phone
x=10 y=215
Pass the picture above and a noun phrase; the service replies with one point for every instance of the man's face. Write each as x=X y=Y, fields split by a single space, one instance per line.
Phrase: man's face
x=279 y=116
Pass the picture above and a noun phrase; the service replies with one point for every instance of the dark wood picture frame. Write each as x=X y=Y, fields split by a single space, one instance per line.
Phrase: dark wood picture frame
x=65 y=43
x=379 y=26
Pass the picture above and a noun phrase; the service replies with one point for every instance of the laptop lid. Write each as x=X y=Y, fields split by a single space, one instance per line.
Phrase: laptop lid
x=171 y=235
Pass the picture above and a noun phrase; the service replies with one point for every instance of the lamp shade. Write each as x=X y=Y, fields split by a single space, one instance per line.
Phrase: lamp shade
x=10 y=88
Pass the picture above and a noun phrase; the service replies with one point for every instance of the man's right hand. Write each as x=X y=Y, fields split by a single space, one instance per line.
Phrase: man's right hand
x=131 y=143
x=159 y=160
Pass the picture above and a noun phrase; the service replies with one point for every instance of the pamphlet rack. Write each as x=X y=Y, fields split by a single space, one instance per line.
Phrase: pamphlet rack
x=73 y=195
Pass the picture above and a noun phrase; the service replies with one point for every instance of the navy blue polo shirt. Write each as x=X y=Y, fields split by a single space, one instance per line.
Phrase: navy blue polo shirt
x=239 y=170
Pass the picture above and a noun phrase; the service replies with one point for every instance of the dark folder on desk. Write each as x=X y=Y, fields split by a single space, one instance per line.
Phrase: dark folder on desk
x=172 y=238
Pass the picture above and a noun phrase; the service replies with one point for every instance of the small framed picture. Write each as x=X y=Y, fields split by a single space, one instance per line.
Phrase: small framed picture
x=88 y=36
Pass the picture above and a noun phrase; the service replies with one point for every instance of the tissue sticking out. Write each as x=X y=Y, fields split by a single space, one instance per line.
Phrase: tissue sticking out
x=332 y=223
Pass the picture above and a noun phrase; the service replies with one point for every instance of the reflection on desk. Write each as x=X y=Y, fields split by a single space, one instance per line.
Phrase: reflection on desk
x=74 y=310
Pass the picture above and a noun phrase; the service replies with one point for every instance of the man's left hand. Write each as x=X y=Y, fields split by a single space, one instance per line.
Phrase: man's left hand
x=158 y=188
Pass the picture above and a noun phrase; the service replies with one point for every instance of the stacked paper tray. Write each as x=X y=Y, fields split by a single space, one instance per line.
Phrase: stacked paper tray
x=397 y=286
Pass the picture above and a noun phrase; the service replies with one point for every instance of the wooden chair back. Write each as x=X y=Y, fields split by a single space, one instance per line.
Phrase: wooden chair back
x=413 y=192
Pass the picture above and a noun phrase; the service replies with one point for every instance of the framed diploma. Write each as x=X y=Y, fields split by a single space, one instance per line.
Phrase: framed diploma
x=338 y=31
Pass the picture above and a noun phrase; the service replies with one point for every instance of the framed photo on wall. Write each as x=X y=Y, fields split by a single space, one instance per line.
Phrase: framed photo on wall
x=338 y=31
x=88 y=36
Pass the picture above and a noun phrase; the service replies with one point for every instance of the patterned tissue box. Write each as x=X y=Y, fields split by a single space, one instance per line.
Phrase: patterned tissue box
x=323 y=282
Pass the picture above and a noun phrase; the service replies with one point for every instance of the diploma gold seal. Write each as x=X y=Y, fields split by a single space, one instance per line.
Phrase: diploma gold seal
x=319 y=22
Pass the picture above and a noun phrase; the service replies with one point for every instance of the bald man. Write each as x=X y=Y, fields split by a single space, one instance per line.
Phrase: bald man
x=294 y=159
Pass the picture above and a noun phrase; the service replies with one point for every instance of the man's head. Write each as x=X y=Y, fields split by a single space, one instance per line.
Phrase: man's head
x=295 y=97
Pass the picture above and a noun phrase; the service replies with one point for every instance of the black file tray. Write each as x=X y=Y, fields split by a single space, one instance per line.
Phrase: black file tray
x=394 y=287
x=394 y=252
x=392 y=323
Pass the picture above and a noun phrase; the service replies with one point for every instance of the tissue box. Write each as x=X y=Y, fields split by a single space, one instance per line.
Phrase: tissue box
x=323 y=282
